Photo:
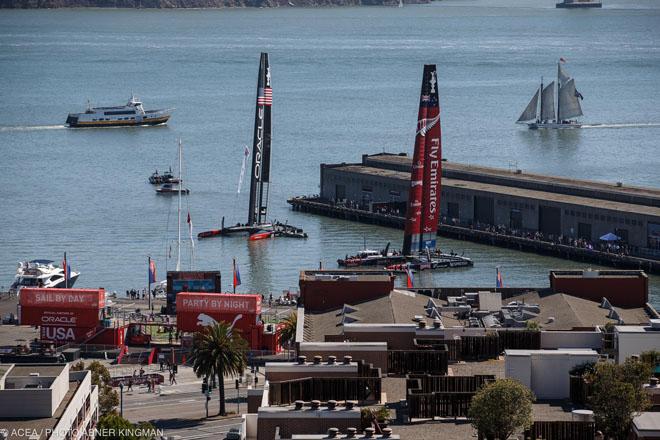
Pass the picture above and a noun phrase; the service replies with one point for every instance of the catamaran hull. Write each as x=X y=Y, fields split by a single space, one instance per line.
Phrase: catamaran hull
x=233 y=230
x=579 y=5
x=552 y=125
x=399 y=262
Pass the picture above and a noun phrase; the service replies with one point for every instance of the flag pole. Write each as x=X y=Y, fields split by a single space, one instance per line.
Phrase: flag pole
x=66 y=270
x=149 y=281
x=233 y=281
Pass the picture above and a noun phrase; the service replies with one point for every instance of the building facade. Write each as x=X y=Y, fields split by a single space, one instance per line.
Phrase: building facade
x=47 y=402
x=473 y=195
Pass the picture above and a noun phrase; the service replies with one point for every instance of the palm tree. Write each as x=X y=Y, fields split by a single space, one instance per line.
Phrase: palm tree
x=219 y=351
x=288 y=330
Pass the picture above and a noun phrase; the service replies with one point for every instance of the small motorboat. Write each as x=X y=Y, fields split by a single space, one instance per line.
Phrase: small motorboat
x=166 y=177
x=169 y=188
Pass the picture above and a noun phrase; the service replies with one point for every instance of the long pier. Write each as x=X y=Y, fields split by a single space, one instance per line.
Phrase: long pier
x=316 y=206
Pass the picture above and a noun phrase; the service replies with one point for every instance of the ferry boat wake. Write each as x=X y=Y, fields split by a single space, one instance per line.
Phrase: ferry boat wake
x=31 y=127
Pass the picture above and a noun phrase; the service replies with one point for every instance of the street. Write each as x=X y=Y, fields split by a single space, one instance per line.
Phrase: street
x=180 y=409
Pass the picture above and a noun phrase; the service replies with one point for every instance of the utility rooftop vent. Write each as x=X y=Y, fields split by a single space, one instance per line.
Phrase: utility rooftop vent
x=605 y=304
x=655 y=324
x=348 y=309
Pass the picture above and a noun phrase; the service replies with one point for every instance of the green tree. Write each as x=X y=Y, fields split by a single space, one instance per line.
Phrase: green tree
x=618 y=396
x=288 y=329
x=533 y=326
x=112 y=426
x=651 y=357
x=108 y=397
x=501 y=408
x=219 y=351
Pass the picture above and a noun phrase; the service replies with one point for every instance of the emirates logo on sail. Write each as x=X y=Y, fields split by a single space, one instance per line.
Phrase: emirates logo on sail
x=426 y=124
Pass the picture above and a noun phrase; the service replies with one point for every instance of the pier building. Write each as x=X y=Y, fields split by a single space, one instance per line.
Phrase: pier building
x=476 y=195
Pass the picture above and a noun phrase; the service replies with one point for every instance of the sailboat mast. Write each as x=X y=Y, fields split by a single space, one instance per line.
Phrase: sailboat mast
x=261 y=148
x=178 y=247
x=558 y=94
x=541 y=96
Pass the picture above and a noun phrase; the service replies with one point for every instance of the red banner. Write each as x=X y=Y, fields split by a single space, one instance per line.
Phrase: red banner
x=61 y=334
x=62 y=298
x=218 y=303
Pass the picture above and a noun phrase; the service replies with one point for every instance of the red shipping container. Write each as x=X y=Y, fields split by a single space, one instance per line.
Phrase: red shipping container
x=62 y=298
x=197 y=310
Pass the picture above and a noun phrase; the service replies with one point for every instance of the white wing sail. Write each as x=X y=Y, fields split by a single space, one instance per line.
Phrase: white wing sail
x=530 y=110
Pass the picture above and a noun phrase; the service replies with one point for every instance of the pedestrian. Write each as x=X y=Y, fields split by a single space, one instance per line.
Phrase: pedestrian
x=174 y=378
x=130 y=385
x=141 y=371
x=161 y=365
x=134 y=374
x=171 y=338
x=256 y=380
x=149 y=386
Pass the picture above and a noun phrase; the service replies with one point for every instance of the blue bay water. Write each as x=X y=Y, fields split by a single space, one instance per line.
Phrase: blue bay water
x=346 y=82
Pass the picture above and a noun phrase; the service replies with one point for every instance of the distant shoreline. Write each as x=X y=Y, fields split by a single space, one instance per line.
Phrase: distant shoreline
x=192 y=4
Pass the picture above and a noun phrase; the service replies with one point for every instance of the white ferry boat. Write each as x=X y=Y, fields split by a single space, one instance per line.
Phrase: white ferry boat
x=131 y=114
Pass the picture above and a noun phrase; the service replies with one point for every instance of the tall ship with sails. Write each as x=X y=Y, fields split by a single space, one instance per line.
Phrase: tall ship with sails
x=419 y=250
x=130 y=115
x=257 y=226
x=541 y=111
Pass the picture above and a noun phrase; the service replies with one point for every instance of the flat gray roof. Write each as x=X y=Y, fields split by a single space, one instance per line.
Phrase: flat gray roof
x=43 y=370
x=39 y=425
x=541 y=196
x=479 y=169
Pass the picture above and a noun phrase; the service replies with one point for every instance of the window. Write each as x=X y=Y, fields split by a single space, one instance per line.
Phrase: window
x=123 y=112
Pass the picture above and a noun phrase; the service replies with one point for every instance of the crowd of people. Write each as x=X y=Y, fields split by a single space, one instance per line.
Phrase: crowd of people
x=610 y=247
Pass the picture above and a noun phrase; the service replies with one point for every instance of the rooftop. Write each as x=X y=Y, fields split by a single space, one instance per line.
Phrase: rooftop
x=628 y=208
x=558 y=311
x=638 y=329
x=343 y=275
x=41 y=370
x=647 y=421
x=558 y=351
x=39 y=425
x=399 y=307
x=406 y=161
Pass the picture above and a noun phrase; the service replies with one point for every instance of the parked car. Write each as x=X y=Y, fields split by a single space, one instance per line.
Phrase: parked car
x=233 y=434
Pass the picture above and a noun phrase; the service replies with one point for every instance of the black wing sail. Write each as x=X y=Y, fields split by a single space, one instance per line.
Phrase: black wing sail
x=261 y=147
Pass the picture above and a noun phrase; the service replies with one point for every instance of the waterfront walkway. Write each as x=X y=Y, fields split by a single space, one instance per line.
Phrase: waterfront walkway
x=495 y=238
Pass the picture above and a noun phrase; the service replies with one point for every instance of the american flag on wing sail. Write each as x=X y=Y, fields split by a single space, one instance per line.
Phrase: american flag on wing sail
x=265 y=96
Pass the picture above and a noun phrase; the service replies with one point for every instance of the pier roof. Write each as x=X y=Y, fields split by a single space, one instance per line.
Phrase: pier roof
x=541 y=196
x=403 y=162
